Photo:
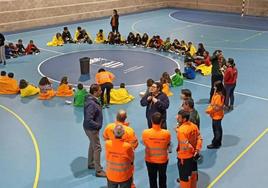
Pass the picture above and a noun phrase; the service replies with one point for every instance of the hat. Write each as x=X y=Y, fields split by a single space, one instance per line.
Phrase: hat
x=119 y=131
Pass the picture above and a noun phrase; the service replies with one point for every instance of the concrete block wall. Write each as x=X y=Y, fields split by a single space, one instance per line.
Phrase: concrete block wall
x=23 y=14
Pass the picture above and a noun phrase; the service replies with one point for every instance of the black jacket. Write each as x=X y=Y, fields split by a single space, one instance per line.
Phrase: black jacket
x=160 y=106
x=2 y=40
x=92 y=114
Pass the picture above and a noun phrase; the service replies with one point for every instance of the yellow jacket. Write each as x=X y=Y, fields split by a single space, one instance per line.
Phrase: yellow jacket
x=29 y=91
x=56 y=41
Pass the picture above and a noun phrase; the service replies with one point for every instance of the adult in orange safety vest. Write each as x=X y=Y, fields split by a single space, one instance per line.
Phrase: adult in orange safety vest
x=129 y=135
x=189 y=146
x=104 y=79
x=156 y=141
x=216 y=112
x=119 y=160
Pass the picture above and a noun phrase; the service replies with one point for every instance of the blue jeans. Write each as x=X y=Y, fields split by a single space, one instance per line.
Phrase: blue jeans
x=217 y=131
x=229 y=94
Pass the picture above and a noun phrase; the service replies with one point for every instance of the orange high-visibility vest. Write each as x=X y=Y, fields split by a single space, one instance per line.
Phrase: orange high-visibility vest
x=189 y=140
x=156 y=141
x=129 y=135
x=217 y=100
x=119 y=160
x=104 y=77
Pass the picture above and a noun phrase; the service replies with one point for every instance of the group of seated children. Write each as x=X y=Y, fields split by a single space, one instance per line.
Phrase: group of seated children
x=15 y=50
x=80 y=36
x=45 y=91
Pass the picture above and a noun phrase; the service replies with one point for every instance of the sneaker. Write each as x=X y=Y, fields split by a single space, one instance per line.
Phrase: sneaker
x=107 y=106
x=101 y=174
x=5 y=63
x=211 y=146
x=231 y=107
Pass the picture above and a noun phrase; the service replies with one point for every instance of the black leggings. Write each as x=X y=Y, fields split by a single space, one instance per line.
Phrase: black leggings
x=106 y=86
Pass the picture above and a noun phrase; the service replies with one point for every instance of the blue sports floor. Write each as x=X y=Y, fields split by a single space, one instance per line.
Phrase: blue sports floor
x=43 y=143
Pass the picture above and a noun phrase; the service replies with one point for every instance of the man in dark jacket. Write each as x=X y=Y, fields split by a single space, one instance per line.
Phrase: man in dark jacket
x=115 y=21
x=92 y=124
x=2 y=49
x=156 y=101
x=66 y=36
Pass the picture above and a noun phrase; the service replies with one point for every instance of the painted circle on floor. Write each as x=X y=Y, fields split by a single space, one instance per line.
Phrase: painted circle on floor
x=132 y=67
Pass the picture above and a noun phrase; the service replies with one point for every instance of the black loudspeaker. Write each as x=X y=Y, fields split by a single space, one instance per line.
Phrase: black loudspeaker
x=85 y=65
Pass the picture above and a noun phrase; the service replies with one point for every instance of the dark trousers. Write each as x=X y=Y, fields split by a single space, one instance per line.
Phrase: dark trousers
x=217 y=131
x=115 y=28
x=125 y=184
x=106 y=86
x=214 y=78
x=229 y=88
x=153 y=169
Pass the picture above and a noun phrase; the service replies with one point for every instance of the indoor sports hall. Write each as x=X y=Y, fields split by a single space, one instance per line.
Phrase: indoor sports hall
x=43 y=143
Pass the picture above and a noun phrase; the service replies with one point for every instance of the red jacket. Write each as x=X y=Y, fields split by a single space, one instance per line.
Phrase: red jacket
x=230 y=75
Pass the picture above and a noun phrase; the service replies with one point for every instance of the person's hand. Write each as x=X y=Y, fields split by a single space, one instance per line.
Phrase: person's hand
x=154 y=100
x=149 y=98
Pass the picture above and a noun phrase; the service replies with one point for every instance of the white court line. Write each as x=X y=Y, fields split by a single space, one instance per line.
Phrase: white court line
x=252 y=36
x=134 y=85
x=137 y=68
x=129 y=68
x=239 y=93
x=215 y=26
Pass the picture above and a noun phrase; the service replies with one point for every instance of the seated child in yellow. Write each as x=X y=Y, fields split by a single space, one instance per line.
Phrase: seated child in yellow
x=56 y=41
x=27 y=89
x=120 y=96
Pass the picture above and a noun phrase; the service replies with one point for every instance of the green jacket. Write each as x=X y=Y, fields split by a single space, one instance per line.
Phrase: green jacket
x=79 y=97
x=177 y=80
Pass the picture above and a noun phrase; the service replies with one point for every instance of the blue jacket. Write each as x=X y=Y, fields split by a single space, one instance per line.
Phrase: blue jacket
x=189 y=72
x=160 y=106
x=92 y=114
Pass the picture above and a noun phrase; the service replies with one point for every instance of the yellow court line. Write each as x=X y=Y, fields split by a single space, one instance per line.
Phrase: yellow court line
x=37 y=152
x=236 y=159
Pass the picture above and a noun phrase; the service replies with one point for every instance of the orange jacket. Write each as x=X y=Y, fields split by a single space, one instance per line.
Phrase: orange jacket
x=156 y=141
x=119 y=160
x=129 y=135
x=104 y=77
x=189 y=140
x=8 y=86
x=215 y=109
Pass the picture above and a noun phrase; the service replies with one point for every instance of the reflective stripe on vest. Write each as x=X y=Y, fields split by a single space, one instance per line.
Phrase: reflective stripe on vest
x=160 y=151
x=118 y=167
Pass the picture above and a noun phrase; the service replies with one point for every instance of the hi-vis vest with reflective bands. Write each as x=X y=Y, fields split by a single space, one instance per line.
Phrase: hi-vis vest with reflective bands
x=104 y=77
x=189 y=140
x=119 y=160
x=156 y=141
x=129 y=135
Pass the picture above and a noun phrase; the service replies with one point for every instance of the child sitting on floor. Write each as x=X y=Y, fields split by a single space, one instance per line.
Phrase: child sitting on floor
x=46 y=90
x=120 y=96
x=189 y=71
x=64 y=90
x=31 y=48
x=177 y=79
x=56 y=40
x=27 y=89
x=20 y=47
x=8 y=85
x=80 y=95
